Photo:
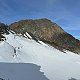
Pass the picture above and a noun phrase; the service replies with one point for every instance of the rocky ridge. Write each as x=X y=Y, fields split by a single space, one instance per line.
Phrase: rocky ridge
x=48 y=32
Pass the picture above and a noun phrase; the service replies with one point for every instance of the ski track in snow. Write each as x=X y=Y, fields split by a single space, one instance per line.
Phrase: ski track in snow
x=55 y=64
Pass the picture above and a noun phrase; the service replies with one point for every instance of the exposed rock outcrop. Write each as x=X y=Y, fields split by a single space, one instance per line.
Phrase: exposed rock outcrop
x=3 y=29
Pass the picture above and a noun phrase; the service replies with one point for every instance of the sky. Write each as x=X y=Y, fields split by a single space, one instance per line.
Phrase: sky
x=66 y=13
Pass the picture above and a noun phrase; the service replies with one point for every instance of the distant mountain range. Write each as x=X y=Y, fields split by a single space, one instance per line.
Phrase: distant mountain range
x=44 y=30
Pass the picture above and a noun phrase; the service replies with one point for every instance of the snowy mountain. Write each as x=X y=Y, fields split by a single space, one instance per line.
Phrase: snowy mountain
x=35 y=59
x=55 y=64
x=49 y=32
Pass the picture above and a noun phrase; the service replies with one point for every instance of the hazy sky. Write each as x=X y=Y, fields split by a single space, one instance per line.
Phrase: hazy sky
x=65 y=13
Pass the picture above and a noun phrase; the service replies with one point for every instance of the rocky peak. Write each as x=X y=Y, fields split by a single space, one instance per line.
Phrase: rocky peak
x=48 y=32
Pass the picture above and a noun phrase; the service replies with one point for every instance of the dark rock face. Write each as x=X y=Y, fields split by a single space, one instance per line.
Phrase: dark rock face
x=48 y=32
x=3 y=29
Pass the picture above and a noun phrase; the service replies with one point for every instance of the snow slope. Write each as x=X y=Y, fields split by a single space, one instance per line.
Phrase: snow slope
x=55 y=64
